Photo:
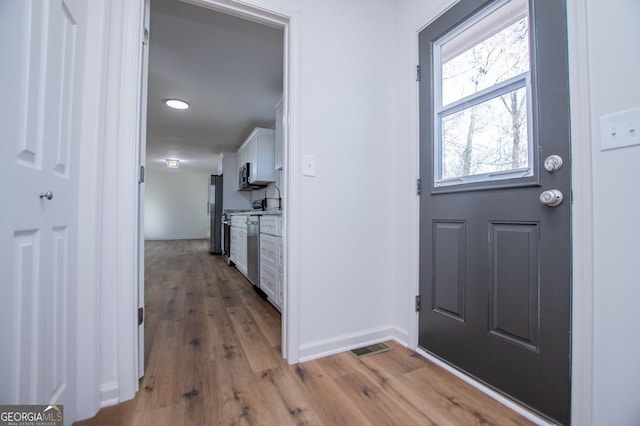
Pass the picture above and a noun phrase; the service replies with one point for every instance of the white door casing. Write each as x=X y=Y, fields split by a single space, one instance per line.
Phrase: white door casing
x=43 y=57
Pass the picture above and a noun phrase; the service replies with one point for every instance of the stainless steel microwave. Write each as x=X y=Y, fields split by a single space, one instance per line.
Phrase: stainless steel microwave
x=245 y=177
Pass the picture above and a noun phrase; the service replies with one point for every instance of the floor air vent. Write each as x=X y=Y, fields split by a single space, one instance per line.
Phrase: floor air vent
x=370 y=350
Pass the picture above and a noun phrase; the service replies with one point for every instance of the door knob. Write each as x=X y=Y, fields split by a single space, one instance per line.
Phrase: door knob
x=551 y=198
x=553 y=163
x=48 y=195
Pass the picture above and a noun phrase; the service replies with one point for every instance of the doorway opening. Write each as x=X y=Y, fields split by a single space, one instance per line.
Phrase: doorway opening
x=239 y=41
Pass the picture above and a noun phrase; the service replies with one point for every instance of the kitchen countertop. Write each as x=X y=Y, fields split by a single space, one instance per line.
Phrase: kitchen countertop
x=257 y=213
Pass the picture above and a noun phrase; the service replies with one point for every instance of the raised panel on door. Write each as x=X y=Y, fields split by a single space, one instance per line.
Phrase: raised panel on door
x=449 y=280
x=20 y=362
x=514 y=289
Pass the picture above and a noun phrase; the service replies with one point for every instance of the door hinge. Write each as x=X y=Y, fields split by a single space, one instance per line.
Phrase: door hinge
x=145 y=37
x=418 y=303
x=418 y=186
x=417 y=72
x=141 y=174
x=140 y=315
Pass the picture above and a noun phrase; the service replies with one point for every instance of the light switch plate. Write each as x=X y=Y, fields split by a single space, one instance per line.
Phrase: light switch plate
x=620 y=130
x=309 y=165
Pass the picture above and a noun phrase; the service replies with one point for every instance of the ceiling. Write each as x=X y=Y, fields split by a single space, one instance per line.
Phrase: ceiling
x=228 y=69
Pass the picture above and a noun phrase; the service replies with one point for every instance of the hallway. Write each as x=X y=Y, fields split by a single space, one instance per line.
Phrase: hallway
x=212 y=356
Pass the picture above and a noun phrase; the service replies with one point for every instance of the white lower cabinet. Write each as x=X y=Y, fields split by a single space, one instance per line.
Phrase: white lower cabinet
x=271 y=259
x=269 y=283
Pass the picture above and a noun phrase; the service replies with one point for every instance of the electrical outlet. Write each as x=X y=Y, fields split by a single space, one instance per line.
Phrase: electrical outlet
x=620 y=130
x=309 y=165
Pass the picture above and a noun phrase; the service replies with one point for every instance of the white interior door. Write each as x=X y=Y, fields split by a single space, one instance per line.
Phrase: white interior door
x=41 y=84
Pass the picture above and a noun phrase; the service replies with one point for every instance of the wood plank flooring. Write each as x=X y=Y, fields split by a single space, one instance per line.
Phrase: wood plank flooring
x=212 y=356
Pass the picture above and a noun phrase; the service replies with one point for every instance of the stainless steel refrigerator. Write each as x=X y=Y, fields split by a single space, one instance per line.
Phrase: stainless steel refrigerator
x=215 y=214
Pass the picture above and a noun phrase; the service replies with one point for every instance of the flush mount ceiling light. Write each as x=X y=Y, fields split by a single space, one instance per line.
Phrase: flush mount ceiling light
x=172 y=164
x=176 y=103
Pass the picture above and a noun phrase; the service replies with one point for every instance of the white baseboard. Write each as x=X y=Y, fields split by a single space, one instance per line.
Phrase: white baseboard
x=487 y=390
x=346 y=342
x=109 y=394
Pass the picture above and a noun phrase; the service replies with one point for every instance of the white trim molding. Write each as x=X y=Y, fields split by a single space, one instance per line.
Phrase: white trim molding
x=88 y=396
x=346 y=342
x=119 y=202
x=129 y=118
x=293 y=190
x=582 y=216
x=109 y=394
x=120 y=222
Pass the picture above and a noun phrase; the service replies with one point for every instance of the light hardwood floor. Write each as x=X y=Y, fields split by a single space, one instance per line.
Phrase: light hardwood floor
x=212 y=352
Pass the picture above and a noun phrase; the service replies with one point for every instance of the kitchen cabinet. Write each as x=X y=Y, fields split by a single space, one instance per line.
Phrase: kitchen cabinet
x=259 y=151
x=279 y=136
x=271 y=259
x=268 y=266
x=238 y=243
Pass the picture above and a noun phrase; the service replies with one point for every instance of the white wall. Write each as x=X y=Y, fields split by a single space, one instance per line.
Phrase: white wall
x=614 y=62
x=347 y=123
x=176 y=205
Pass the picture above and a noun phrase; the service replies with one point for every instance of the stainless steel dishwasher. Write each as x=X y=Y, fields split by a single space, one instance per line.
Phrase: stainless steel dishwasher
x=253 y=250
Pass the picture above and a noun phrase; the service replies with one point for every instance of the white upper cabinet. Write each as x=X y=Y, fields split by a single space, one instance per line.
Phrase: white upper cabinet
x=279 y=152
x=259 y=151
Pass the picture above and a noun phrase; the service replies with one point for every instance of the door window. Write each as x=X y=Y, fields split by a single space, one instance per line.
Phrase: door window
x=482 y=98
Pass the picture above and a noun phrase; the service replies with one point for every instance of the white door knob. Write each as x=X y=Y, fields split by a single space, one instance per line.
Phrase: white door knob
x=551 y=198
x=553 y=163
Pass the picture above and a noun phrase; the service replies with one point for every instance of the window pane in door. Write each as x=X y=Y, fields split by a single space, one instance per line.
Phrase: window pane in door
x=489 y=137
x=491 y=50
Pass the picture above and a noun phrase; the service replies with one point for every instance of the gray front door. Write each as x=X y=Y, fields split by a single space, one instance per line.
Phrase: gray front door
x=495 y=243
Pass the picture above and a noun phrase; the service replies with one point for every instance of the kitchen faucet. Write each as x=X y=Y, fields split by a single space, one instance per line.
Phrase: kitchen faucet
x=273 y=185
